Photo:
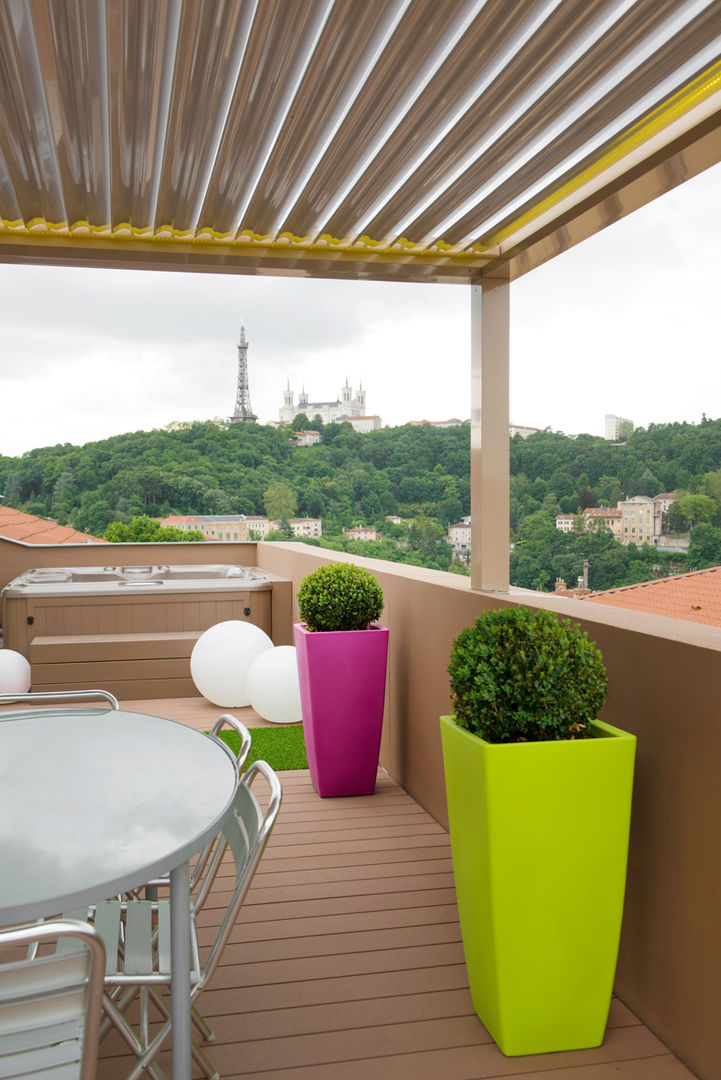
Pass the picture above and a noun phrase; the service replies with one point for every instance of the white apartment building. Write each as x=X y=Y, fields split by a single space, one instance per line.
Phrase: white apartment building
x=522 y=430
x=307 y=527
x=364 y=424
x=459 y=537
x=564 y=522
x=612 y=427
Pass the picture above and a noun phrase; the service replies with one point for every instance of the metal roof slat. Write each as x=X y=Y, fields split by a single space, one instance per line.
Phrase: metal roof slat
x=205 y=78
x=26 y=144
x=513 y=46
x=141 y=43
x=353 y=66
x=73 y=58
x=427 y=67
x=281 y=43
x=594 y=144
x=443 y=195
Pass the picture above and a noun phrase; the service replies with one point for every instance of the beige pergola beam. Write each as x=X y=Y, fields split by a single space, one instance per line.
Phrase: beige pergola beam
x=490 y=326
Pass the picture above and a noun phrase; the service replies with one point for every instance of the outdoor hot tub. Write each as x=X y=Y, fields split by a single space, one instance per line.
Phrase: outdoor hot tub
x=131 y=629
x=87 y=580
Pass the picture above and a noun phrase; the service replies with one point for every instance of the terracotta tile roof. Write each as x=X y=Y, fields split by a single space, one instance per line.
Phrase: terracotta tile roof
x=695 y=597
x=15 y=525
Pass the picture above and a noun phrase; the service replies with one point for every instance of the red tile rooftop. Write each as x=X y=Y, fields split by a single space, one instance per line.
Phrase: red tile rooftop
x=695 y=597
x=29 y=529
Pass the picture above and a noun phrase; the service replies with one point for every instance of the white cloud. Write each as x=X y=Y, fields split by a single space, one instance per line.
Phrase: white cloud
x=627 y=322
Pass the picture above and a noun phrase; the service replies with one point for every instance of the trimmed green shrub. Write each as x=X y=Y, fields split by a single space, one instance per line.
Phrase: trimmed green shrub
x=521 y=675
x=341 y=596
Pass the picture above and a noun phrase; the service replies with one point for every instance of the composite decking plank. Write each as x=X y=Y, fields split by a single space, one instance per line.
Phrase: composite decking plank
x=382 y=984
x=462 y=1064
x=346 y=961
x=339 y=964
x=420 y=1036
x=337 y=925
x=283 y=911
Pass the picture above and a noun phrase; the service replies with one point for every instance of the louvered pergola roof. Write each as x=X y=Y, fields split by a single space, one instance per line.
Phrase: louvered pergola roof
x=416 y=140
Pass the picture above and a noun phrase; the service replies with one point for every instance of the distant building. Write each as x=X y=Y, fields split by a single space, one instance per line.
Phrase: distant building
x=459 y=537
x=394 y=519
x=306 y=438
x=361 y=532
x=640 y=520
x=453 y=422
x=240 y=526
x=364 y=424
x=311 y=527
x=617 y=428
x=637 y=520
x=520 y=429
x=604 y=517
x=347 y=407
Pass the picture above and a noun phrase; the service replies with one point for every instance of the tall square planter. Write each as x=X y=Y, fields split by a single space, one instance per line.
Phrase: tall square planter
x=342 y=692
x=539 y=837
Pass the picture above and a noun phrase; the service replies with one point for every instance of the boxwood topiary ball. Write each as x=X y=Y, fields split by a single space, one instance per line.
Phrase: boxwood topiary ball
x=341 y=596
x=524 y=675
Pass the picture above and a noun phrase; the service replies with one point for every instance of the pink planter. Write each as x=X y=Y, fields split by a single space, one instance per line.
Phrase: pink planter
x=342 y=690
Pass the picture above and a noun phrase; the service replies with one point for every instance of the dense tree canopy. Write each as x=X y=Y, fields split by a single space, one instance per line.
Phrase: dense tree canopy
x=419 y=472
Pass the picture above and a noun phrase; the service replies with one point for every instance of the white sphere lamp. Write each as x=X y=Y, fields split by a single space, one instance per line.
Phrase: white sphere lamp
x=221 y=658
x=273 y=685
x=14 y=673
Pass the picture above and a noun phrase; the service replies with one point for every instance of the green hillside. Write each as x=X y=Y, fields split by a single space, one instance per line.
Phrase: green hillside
x=418 y=472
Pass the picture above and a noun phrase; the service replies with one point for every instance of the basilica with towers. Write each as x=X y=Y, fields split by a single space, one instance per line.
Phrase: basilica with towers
x=350 y=406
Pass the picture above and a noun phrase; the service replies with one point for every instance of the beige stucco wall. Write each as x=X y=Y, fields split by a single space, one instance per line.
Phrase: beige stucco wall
x=665 y=687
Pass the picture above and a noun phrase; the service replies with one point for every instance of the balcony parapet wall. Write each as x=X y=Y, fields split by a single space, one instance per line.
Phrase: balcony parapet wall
x=665 y=687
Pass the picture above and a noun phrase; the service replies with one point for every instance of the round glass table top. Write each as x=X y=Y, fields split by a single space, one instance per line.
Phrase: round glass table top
x=94 y=802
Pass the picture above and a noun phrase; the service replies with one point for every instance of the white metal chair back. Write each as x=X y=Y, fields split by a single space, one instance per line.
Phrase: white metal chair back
x=50 y=1004
x=137 y=932
x=62 y=695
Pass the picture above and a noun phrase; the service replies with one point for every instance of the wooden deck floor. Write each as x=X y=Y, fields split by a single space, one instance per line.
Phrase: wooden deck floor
x=347 y=962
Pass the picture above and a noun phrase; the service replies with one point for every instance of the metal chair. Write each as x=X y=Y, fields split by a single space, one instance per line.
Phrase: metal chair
x=137 y=932
x=196 y=872
x=50 y=1003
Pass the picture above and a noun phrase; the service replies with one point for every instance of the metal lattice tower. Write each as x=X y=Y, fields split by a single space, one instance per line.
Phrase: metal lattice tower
x=243 y=408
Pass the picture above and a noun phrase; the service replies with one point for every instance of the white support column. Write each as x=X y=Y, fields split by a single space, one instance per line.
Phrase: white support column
x=490 y=463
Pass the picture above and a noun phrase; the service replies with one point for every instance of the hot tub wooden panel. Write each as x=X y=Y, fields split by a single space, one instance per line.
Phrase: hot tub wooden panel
x=134 y=645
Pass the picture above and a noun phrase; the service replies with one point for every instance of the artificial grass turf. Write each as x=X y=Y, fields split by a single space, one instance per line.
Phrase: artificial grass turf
x=282 y=747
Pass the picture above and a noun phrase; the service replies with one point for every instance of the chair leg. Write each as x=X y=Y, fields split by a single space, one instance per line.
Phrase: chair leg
x=140 y=1051
x=202 y=1025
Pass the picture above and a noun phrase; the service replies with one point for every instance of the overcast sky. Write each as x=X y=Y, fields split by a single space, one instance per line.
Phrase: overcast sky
x=626 y=323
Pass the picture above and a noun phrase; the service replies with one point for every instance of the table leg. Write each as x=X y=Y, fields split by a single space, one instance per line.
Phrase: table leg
x=180 y=970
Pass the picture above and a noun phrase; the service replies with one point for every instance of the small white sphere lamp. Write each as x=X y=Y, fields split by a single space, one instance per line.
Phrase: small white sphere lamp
x=221 y=658
x=273 y=685
x=14 y=673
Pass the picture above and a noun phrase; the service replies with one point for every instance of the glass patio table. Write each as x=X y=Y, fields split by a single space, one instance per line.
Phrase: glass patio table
x=96 y=801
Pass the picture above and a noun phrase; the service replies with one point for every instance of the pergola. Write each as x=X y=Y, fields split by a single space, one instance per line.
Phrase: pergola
x=458 y=141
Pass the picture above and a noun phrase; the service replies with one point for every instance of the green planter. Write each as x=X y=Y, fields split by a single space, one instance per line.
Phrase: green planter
x=539 y=836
